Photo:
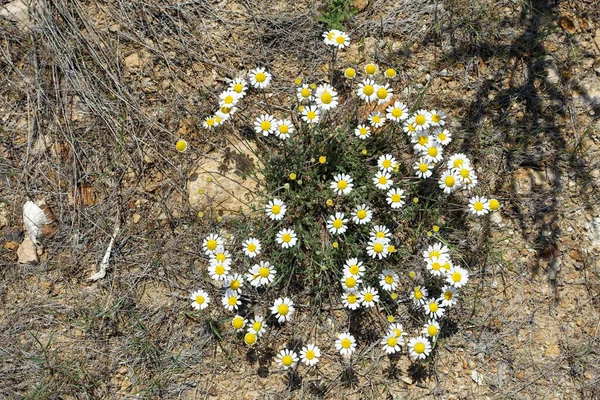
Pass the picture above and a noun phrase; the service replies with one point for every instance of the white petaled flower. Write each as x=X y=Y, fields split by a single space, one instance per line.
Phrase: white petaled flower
x=200 y=299
x=336 y=224
x=362 y=215
x=275 y=209
x=391 y=344
x=342 y=40
x=287 y=238
x=310 y=355
x=211 y=243
x=283 y=309
x=458 y=160
x=409 y=127
x=234 y=282
x=209 y=122
x=284 y=129
x=449 y=296
x=479 y=205
x=259 y=78
x=345 y=344
x=431 y=328
x=469 y=183
x=421 y=119
x=368 y=296
x=376 y=119
x=362 y=131
x=261 y=274
x=228 y=99
x=383 y=180
x=252 y=247
x=442 y=136
x=225 y=112
x=220 y=256
x=311 y=115
x=366 y=90
x=257 y=326
x=433 y=153
x=436 y=250
x=435 y=265
x=434 y=309
x=380 y=232
x=330 y=36
x=218 y=271
x=386 y=162
x=447 y=266
x=384 y=93
x=378 y=248
x=350 y=300
x=265 y=124
x=419 y=347
x=304 y=93
x=457 y=277
x=388 y=280
x=423 y=168
x=449 y=182
x=396 y=329
x=421 y=141
x=231 y=300
x=465 y=173
x=351 y=282
x=342 y=184
x=419 y=295
x=239 y=86
x=395 y=198
x=397 y=112
x=326 y=97
x=287 y=358
x=438 y=118
x=353 y=267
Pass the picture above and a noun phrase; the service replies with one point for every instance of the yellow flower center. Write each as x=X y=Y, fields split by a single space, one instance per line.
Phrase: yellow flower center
x=305 y=92
x=221 y=257
x=457 y=163
x=250 y=338
x=432 y=151
x=257 y=325
x=478 y=206
x=433 y=307
x=391 y=249
x=350 y=73
x=380 y=235
x=340 y=39
x=456 y=277
x=464 y=173
x=446 y=266
x=378 y=248
x=264 y=272
x=411 y=127
x=287 y=360
x=382 y=180
x=260 y=77
x=370 y=69
x=232 y=301
x=423 y=140
x=376 y=119
x=386 y=163
x=390 y=72
x=284 y=129
x=181 y=145
x=420 y=119
x=238 y=88
x=219 y=269
x=354 y=269
x=275 y=209
x=309 y=355
x=449 y=181
x=338 y=223
x=326 y=98
x=238 y=322
x=346 y=343
x=350 y=282
x=251 y=247
x=200 y=299
x=423 y=167
x=494 y=204
x=235 y=284
x=211 y=244
x=434 y=253
x=368 y=90
x=419 y=348
x=342 y=184
x=436 y=118
x=436 y=266
x=363 y=131
x=369 y=297
x=392 y=342
x=330 y=35
x=442 y=137
x=351 y=298
x=228 y=100
x=286 y=237
x=322 y=159
x=396 y=198
x=283 y=309
x=432 y=330
x=396 y=113
x=210 y=122
x=448 y=295
x=361 y=214
x=418 y=295
x=382 y=93
x=311 y=115
x=265 y=125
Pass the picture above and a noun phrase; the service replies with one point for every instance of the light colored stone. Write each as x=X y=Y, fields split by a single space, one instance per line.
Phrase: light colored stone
x=42 y=143
x=552 y=74
x=18 y=11
x=133 y=61
x=27 y=252
x=3 y=215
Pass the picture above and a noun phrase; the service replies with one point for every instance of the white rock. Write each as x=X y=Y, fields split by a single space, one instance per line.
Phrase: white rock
x=27 y=252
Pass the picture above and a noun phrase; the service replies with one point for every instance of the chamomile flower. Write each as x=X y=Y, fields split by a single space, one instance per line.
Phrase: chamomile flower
x=435 y=265
x=386 y=162
x=457 y=276
x=311 y=115
x=350 y=300
x=419 y=295
x=390 y=73
x=362 y=215
x=465 y=173
x=470 y=182
x=390 y=343
x=209 y=122
x=238 y=322
x=337 y=224
x=345 y=344
x=397 y=330
x=220 y=256
x=261 y=274
x=419 y=348
x=362 y=131
x=275 y=209
x=421 y=119
x=395 y=198
x=423 y=169
x=342 y=184
x=350 y=73
x=259 y=78
x=239 y=86
x=326 y=97
x=234 y=282
x=434 y=309
x=366 y=90
x=218 y=271
x=380 y=232
x=442 y=136
x=431 y=328
x=479 y=205
x=353 y=267
x=384 y=93
x=421 y=141
x=342 y=40
x=438 y=118
x=368 y=296
x=284 y=129
x=436 y=250
x=371 y=69
x=211 y=243
x=200 y=299
x=257 y=326
x=225 y=112
x=330 y=36
x=252 y=247
x=449 y=296
x=376 y=119
x=351 y=283
x=265 y=124
x=449 y=182
x=397 y=112
x=228 y=99
x=409 y=127
x=378 y=248
x=250 y=338
x=494 y=204
x=304 y=93
x=458 y=161
x=383 y=180
x=231 y=300
x=283 y=309
x=388 y=280
x=310 y=355
x=287 y=359
x=287 y=238
x=433 y=152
